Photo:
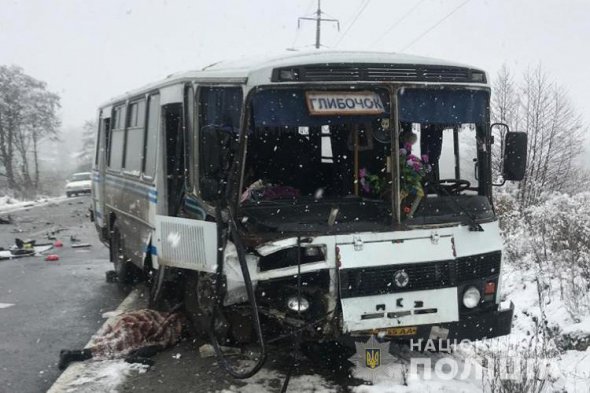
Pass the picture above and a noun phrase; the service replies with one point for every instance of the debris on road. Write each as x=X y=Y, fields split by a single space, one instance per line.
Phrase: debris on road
x=58 y=243
x=24 y=245
x=52 y=234
x=52 y=257
x=207 y=351
x=81 y=245
x=6 y=220
x=111 y=276
x=25 y=248
x=109 y=314
x=10 y=254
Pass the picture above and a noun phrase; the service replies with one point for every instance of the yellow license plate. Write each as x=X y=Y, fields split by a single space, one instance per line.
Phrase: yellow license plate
x=402 y=331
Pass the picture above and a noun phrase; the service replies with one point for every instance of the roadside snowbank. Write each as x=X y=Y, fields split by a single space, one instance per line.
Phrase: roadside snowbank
x=9 y=204
x=103 y=376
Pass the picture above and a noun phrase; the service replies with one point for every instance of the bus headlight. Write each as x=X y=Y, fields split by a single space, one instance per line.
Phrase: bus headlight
x=296 y=304
x=471 y=297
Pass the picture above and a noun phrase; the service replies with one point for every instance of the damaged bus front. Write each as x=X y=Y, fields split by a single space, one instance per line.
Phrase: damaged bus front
x=366 y=209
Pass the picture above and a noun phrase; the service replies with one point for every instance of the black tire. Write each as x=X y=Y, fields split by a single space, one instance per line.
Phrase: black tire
x=198 y=300
x=111 y=277
x=68 y=194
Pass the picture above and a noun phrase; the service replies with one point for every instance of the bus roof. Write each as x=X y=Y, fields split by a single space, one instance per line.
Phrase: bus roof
x=258 y=70
x=292 y=58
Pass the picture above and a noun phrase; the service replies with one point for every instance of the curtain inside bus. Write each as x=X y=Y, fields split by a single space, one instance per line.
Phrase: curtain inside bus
x=443 y=106
x=288 y=108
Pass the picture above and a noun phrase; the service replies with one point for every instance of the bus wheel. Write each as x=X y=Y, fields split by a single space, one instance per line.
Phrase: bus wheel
x=122 y=267
x=199 y=303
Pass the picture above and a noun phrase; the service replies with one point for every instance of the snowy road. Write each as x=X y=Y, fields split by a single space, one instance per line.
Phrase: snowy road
x=51 y=305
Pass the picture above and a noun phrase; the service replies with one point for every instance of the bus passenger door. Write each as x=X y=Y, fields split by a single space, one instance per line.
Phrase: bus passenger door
x=98 y=170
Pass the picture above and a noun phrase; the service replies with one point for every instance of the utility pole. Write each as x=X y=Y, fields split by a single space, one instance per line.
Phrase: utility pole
x=318 y=24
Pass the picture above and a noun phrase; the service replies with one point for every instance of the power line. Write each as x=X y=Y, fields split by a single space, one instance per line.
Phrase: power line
x=318 y=20
x=397 y=22
x=435 y=25
x=308 y=10
x=361 y=9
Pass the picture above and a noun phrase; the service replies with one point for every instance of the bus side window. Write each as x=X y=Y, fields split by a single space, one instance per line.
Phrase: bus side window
x=102 y=140
x=151 y=137
x=219 y=108
x=117 y=140
x=135 y=135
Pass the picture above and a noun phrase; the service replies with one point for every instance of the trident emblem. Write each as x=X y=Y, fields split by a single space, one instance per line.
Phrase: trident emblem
x=373 y=357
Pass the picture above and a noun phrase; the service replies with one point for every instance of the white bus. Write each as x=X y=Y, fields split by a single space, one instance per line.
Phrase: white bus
x=273 y=190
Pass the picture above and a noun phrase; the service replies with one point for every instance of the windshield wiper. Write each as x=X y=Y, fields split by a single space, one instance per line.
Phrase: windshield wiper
x=474 y=226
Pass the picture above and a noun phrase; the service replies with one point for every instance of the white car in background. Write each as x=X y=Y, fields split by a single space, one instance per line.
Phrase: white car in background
x=78 y=183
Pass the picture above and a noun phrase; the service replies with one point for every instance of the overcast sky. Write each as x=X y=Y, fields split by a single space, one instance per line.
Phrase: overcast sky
x=88 y=51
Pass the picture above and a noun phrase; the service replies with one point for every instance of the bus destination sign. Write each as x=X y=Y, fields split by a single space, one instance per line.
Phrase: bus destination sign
x=344 y=103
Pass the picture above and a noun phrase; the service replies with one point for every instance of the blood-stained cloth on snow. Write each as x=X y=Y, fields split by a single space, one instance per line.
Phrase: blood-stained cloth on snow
x=133 y=330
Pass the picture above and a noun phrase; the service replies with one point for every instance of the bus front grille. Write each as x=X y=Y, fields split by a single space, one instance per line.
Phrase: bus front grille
x=378 y=72
x=421 y=276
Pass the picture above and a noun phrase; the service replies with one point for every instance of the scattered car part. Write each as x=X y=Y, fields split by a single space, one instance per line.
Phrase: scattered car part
x=81 y=245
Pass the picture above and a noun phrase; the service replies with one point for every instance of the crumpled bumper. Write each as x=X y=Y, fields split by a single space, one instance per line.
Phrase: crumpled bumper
x=472 y=326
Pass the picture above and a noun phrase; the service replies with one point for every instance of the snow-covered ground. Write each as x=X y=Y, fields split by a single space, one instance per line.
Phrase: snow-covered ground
x=102 y=376
x=9 y=204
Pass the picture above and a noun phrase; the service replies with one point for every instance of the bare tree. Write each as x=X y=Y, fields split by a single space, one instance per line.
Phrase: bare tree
x=504 y=109
x=556 y=134
x=555 y=131
x=28 y=115
x=10 y=114
x=86 y=153
x=43 y=124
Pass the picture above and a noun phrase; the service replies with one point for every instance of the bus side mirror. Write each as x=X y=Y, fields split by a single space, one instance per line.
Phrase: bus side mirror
x=515 y=155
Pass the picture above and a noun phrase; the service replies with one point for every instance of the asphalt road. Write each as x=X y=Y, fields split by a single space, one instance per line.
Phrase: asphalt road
x=60 y=304
x=57 y=304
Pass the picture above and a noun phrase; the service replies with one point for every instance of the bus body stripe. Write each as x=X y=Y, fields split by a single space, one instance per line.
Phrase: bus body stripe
x=147 y=192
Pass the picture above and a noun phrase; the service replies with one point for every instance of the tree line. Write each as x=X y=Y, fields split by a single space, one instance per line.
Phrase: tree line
x=28 y=117
x=539 y=106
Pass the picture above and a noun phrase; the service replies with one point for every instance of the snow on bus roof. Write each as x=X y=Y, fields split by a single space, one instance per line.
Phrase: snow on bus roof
x=239 y=70
x=292 y=58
